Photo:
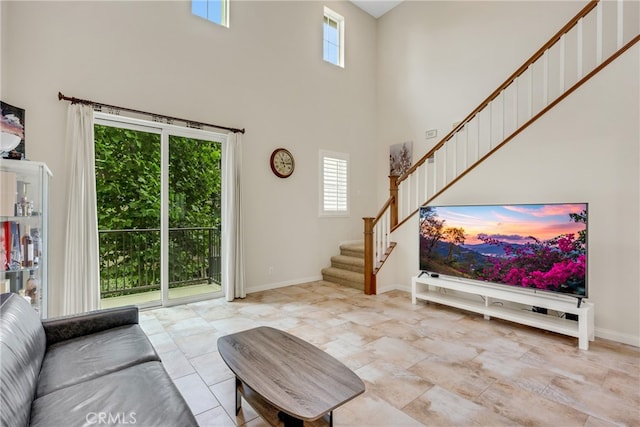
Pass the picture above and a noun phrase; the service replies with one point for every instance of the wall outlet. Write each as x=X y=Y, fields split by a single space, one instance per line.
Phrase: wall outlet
x=431 y=133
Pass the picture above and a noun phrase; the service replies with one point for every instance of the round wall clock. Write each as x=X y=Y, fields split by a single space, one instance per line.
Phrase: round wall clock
x=282 y=163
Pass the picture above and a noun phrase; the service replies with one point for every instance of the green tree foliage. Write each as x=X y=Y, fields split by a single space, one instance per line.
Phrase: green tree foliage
x=194 y=183
x=194 y=201
x=127 y=178
x=128 y=190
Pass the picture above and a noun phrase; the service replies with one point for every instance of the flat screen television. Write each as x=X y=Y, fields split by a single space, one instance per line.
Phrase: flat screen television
x=542 y=247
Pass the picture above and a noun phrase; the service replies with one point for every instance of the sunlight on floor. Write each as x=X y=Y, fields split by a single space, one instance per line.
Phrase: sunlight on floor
x=151 y=296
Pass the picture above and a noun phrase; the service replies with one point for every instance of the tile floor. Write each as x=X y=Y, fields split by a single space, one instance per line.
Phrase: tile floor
x=422 y=365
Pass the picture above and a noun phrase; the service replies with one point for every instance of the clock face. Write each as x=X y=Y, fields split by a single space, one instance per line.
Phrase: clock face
x=282 y=163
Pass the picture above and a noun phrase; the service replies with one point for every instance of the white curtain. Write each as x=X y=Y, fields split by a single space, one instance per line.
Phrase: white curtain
x=81 y=269
x=232 y=236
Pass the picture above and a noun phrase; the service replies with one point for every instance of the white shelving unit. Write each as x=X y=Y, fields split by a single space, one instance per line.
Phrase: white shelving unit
x=23 y=263
x=489 y=300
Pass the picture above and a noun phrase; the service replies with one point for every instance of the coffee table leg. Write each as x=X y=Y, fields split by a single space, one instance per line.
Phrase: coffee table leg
x=238 y=396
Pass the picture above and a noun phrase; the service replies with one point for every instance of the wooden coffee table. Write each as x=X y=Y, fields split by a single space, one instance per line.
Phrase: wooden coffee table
x=294 y=377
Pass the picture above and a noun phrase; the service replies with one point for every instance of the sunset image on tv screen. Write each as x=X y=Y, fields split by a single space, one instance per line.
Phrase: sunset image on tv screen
x=532 y=246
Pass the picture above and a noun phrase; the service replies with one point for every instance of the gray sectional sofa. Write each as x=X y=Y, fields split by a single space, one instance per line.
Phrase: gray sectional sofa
x=97 y=368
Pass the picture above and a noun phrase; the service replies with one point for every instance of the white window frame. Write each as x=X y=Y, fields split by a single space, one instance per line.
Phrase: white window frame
x=334 y=211
x=165 y=131
x=339 y=19
x=224 y=15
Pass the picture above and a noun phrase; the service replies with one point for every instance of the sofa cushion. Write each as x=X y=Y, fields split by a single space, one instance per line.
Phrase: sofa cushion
x=64 y=328
x=141 y=395
x=80 y=359
x=22 y=346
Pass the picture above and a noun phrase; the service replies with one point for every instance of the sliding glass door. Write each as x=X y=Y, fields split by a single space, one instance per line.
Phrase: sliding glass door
x=158 y=190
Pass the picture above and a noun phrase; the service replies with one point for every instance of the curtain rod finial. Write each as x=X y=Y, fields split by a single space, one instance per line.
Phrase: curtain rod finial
x=60 y=96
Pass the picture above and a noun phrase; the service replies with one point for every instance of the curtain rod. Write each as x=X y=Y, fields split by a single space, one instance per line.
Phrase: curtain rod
x=75 y=100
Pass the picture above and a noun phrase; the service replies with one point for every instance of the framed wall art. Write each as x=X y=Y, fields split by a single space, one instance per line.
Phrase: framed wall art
x=400 y=158
x=12 y=145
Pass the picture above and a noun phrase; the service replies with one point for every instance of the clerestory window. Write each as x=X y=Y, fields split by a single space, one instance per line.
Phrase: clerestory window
x=213 y=10
x=333 y=37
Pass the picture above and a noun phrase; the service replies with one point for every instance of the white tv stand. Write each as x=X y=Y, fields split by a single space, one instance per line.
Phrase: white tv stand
x=469 y=295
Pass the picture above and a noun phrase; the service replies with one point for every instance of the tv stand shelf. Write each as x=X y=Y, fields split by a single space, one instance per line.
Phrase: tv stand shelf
x=489 y=299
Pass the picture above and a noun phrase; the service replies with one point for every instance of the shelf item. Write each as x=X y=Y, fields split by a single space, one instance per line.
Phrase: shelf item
x=24 y=207
x=509 y=304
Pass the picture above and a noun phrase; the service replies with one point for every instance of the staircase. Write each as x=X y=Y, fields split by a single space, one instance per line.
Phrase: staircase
x=595 y=37
x=347 y=269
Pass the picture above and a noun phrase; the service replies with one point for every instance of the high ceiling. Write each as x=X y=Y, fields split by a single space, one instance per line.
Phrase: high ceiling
x=376 y=8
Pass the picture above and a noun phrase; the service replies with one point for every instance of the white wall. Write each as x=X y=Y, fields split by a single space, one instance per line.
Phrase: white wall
x=585 y=150
x=265 y=73
x=438 y=60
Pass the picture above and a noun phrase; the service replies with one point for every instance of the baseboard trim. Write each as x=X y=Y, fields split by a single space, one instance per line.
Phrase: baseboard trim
x=394 y=287
x=269 y=286
x=616 y=336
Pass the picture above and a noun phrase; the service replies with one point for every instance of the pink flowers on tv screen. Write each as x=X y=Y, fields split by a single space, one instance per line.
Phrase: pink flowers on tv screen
x=540 y=246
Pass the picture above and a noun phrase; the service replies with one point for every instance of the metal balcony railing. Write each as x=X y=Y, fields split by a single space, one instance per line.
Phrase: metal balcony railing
x=130 y=259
